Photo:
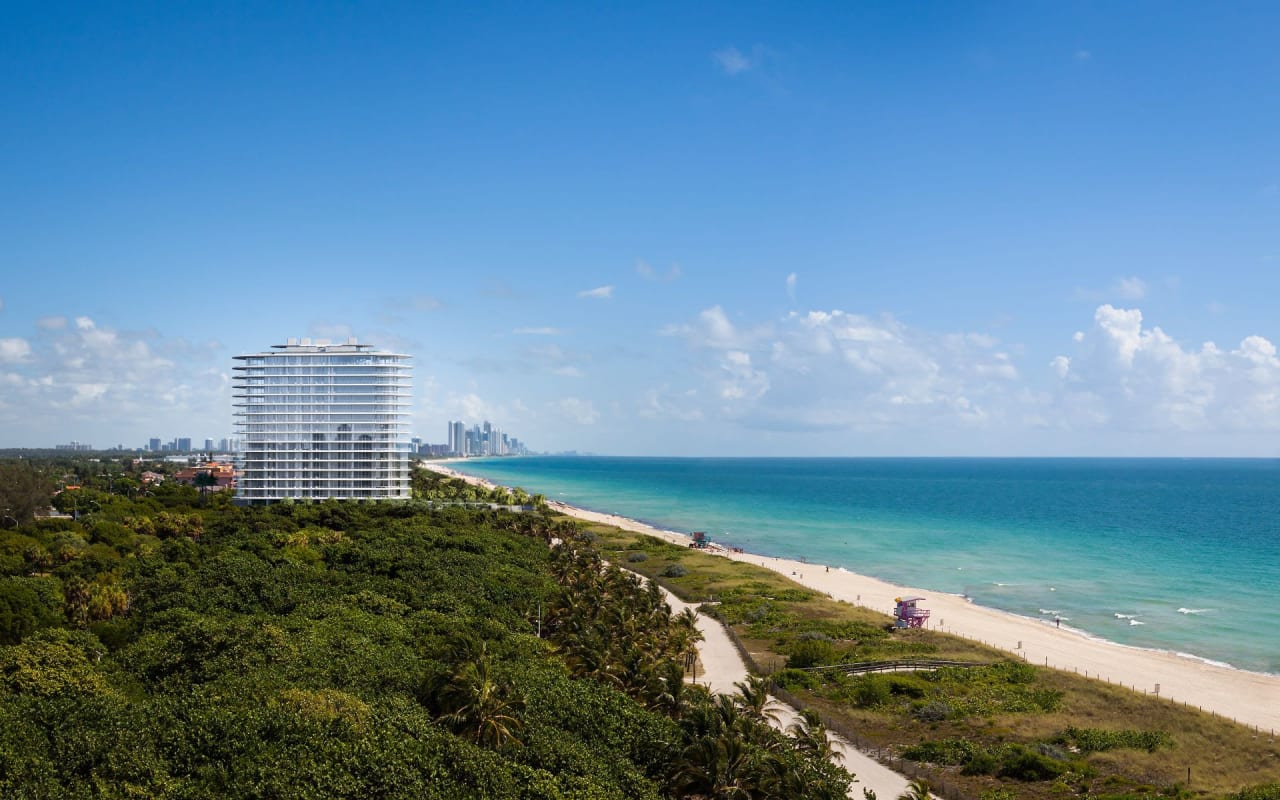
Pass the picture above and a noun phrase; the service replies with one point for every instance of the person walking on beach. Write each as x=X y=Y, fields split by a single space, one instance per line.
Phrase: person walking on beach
x=1057 y=622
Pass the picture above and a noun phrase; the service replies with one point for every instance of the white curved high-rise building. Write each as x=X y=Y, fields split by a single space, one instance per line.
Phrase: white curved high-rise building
x=319 y=420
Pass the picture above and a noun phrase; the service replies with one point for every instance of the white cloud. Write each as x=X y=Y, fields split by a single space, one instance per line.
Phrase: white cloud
x=544 y=331
x=1133 y=288
x=568 y=371
x=791 y=287
x=1131 y=377
x=662 y=403
x=14 y=349
x=1124 y=288
x=713 y=329
x=598 y=293
x=739 y=380
x=578 y=411
x=646 y=271
x=731 y=60
x=829 y=370
x=85 y=380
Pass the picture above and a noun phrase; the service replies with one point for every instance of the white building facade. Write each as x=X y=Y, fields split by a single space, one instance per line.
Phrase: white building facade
x=319 y=420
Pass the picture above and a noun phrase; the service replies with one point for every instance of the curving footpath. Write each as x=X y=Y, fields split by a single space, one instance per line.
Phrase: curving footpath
x=722 y=667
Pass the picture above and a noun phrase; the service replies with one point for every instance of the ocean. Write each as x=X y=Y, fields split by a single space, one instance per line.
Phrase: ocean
x=1181 y=555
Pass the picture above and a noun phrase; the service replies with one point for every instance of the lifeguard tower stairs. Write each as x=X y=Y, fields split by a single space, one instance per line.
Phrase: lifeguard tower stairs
x=906 y=614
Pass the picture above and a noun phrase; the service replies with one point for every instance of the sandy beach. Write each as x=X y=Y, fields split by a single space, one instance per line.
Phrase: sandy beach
x=1247 y=697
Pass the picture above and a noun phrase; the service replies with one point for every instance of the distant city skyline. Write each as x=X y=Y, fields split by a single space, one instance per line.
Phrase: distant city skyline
x=869 y=229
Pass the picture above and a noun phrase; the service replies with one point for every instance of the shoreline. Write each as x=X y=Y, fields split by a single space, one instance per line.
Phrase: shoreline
x=1249 y=698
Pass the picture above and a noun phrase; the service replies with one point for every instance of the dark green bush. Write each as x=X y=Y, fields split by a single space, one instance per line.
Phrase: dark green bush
x=1022 y=764
x=1097 y=740
x=871 y=691
x=811 y=653
x=675 y=571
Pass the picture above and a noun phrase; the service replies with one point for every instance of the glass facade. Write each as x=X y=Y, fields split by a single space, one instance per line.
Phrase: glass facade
x=321 y=420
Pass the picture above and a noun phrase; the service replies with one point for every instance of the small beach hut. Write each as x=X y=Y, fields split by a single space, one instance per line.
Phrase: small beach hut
x=699 y=539
x=906 y=614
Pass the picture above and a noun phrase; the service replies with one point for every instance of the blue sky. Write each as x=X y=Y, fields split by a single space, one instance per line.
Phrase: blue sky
x=744 y=229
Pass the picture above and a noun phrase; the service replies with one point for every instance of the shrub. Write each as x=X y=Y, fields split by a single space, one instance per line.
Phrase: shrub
x=818 y=636
x=982 y=763
x=871 y=691
x=675 y=571
x=1022 y=764
x=947 y=752
x=637 y=556
x=795 y=679
x=811 y=653
x=1266 y=791
x=933 y=711
x=1097 y=740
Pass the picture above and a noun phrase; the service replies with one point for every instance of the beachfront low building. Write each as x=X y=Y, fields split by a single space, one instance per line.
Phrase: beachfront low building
x=320 y=420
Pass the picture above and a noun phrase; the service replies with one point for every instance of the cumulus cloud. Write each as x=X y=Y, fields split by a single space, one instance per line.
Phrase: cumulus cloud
x=14 y=350
x=829 y=370
x=1128 y=375
x=72 y=380
x=712 y=328
x=598 y=293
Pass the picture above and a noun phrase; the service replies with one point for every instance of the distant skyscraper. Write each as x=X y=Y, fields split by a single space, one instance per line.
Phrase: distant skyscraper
x=154 y=445
x=321 y=420
x=183 y=444
x=208 y=445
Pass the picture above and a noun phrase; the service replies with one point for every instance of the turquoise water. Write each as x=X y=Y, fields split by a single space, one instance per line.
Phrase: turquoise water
x=1178 y=555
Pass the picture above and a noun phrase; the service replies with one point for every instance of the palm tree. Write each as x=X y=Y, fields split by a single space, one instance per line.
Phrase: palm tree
x=810 y=735
x=753 y=697
x=918 y=789
x=477 y=705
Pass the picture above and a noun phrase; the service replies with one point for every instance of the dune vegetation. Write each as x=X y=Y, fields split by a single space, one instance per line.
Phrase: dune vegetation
x=997 y=729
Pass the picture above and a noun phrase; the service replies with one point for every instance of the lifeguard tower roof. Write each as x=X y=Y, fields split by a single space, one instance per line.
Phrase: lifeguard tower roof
x=908 y=599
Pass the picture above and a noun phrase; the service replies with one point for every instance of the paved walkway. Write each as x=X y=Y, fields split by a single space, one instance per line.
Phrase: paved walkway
x=722 y=666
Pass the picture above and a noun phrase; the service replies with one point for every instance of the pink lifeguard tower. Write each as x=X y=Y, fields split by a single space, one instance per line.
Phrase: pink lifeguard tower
x=906 y=614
